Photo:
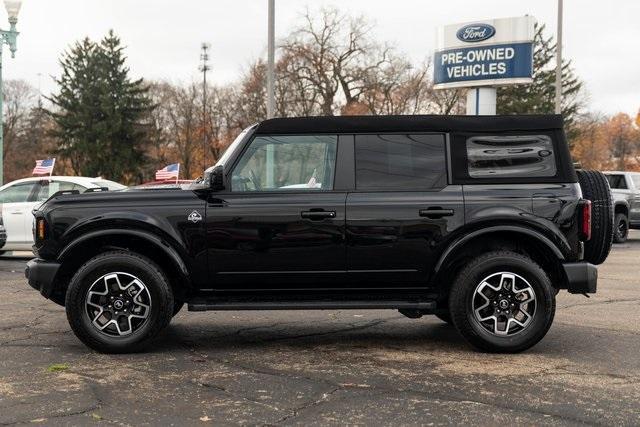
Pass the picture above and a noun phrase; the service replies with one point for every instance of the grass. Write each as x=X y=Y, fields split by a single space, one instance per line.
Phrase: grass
x=58 y=367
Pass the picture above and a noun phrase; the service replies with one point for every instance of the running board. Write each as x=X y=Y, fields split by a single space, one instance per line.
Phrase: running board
x=310 y=305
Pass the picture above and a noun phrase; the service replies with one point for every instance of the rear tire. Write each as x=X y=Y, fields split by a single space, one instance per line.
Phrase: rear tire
x=118 y=302
x=595 y=187
x=621 y=228
x=502 y=302
x=445 y=316
x=177 y=306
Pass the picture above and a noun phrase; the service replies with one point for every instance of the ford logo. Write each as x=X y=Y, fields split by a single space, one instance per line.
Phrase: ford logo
x=475 y=32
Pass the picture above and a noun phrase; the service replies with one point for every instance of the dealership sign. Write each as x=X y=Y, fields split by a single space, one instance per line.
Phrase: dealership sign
x=485 y=53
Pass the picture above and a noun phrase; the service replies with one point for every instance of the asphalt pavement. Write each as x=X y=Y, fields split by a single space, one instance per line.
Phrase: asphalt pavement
x=326 y=367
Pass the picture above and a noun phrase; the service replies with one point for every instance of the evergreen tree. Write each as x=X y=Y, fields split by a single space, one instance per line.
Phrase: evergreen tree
x=101 y=112
x=539 y=96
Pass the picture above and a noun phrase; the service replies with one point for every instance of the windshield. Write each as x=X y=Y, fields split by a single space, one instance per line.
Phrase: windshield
x=232 y=147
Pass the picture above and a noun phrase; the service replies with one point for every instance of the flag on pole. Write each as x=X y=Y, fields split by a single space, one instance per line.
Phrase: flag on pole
x=168 y=172
x=44 y=167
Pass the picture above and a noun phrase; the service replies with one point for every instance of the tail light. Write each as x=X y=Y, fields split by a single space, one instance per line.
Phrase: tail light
x=585 y=226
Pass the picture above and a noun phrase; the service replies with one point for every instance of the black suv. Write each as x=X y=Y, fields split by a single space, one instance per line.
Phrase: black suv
x=477 y=220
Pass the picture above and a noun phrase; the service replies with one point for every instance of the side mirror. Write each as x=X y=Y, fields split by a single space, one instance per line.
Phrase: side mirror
x=216 y=179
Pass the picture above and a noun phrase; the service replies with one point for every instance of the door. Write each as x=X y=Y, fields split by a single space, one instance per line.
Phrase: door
x=634 y=200
x=17 y=204
x=281 y=225
x=402 y=210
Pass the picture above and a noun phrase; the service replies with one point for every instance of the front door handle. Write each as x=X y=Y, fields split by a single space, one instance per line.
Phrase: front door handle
x=317 y=215
x=435 y=213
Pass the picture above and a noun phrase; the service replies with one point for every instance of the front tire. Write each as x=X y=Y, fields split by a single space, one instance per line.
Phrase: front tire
x=621 y=228
x=502 y=302
x=118 y=302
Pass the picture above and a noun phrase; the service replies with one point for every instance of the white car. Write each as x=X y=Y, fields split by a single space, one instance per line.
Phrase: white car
x=20 y=197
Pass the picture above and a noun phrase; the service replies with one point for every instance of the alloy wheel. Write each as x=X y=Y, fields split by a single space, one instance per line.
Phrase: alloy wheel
x=504 y=304
x=118 y=304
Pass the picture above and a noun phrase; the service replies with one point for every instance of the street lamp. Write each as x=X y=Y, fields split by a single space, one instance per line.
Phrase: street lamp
x=9 y=38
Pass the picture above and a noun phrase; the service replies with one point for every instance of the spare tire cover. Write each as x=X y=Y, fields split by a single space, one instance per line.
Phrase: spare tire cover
x=595 y=187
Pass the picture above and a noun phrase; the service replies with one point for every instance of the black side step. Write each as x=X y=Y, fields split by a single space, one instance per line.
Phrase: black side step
x=309 y=305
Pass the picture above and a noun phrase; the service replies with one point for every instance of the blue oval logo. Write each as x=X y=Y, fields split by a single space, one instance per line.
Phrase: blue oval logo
x=475 y=32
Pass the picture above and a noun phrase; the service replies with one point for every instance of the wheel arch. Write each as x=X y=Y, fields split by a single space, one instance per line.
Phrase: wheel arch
x=519 y=239
x=621 y=206
x=93 y=243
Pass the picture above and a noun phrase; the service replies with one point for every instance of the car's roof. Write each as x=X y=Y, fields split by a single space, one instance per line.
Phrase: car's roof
x=82 y=180
x=415 y=123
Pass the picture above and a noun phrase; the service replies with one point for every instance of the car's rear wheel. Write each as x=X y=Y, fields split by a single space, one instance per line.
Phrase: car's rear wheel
x=177 y=306
x=595 y=187
x=445 y=316
x=621 y=229
x=502 y=302
x=118 y=302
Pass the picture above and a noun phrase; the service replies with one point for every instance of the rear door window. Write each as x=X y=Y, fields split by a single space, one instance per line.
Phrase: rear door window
x=400 y=162
x=526 y=156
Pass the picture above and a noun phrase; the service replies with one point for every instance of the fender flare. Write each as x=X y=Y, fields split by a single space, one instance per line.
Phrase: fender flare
x=158 y=242
x=516 y=229
x=624 y=203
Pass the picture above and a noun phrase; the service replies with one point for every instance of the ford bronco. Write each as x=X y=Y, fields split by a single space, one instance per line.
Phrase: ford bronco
x=480 y=221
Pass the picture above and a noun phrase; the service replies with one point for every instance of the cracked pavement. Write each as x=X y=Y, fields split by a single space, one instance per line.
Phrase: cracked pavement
x=326 y=367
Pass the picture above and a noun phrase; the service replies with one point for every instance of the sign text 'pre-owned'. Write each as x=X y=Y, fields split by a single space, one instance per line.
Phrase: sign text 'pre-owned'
x=477 y=54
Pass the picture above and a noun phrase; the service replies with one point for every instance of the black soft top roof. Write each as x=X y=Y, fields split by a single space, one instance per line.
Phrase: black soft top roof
x=423 y=123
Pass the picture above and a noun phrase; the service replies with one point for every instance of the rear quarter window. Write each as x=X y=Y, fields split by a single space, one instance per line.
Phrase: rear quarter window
x=513 y=156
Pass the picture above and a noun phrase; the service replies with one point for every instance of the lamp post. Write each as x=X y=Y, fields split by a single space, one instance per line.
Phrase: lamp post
x=9 y=38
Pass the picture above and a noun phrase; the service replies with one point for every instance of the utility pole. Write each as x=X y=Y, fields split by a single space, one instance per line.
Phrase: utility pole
x=204 y=68
x=559 y=61
x=271 y=102
x=8 y=37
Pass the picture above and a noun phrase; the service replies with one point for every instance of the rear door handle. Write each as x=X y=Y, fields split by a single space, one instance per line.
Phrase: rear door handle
x=317 y=215
x=435 y=213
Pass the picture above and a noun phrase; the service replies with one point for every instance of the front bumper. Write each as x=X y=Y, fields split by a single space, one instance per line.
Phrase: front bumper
x=41 y=275
x=582 y=277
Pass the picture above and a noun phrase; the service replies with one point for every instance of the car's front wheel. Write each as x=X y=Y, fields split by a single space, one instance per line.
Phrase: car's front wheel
x=621 y=228
x=118 y=302
x=502 y=302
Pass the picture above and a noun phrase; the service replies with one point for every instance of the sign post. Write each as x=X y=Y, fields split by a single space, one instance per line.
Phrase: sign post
x=482 y=55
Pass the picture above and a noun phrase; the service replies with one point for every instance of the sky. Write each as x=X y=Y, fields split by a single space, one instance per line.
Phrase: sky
x=163 y=37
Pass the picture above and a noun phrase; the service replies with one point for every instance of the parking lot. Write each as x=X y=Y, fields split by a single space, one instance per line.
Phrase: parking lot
x=326 y=367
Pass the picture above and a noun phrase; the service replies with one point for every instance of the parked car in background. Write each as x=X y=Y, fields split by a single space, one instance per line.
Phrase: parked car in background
x=20 y=197
x=625 y=188
x=3 y=232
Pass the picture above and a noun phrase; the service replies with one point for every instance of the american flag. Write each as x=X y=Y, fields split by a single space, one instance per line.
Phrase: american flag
x=44 y=167
x=168 y=172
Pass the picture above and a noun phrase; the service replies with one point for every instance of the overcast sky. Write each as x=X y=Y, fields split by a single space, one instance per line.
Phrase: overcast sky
x=163 y=37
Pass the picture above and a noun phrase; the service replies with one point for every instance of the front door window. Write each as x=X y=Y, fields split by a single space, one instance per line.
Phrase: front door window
x=285 y=163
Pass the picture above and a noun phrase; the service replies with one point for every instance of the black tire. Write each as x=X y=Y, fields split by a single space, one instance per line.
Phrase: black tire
x=463 y=292
x=621 y=228
x=177 y=306
x=160 y=299
x=595 y=187
x=445 y=316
